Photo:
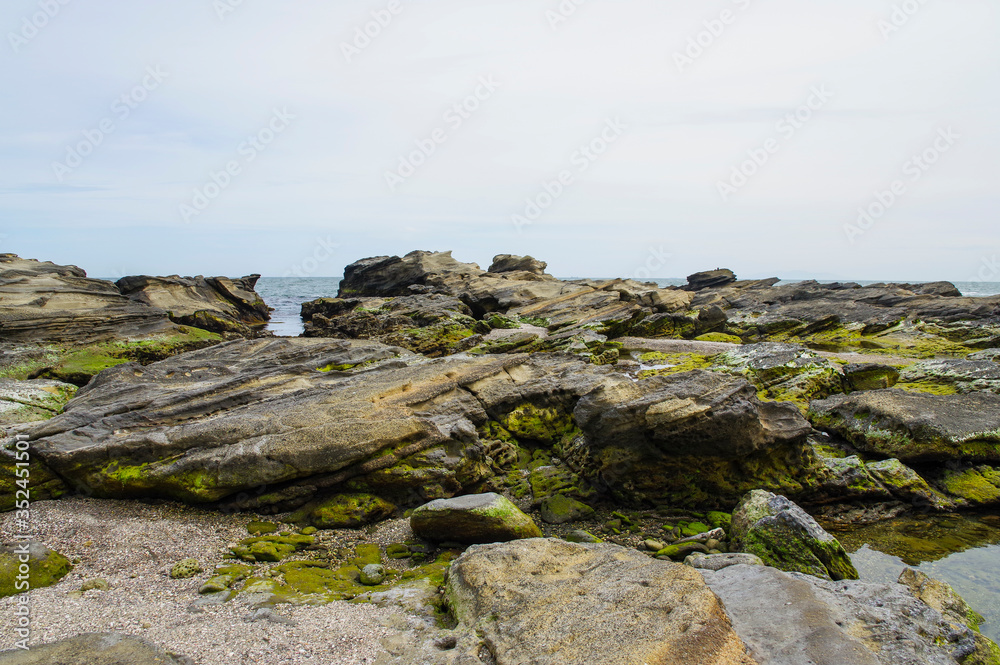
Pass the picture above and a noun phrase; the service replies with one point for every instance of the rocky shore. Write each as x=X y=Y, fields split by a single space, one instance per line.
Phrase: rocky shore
x=458 y=465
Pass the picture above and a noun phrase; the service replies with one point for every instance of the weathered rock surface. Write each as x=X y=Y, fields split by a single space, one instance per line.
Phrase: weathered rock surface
x=94 y=649
x=701 y=435
x=29 y=401
x=869 y=376
x=953 y=375
x=786 y=537
x=548 y=601
x=511 y=263
x=219 y=304
x=474 y=518
x=791 y=619
x=279 y=422
x=783 y=371
x=914 y=427
x=45 y=302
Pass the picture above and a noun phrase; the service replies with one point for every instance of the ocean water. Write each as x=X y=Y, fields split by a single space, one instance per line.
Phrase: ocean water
x=286 y=295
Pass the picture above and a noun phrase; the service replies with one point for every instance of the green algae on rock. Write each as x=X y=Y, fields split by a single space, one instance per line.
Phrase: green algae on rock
x=474 y=518
x=343 y=511
x=45 y=567
x=786 y=537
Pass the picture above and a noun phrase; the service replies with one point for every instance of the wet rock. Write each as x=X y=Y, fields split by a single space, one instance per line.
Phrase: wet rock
x=474 y=518
x=786 y=537
x=914 y=427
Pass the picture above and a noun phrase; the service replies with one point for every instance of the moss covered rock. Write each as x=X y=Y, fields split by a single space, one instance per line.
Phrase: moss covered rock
x=560 y=509
x=869 y=376
x=30 y=565
x=973 y=486
x=182 y=570
x=475 y=518
x=270 y=548
x=344 y=511
x=786 y=537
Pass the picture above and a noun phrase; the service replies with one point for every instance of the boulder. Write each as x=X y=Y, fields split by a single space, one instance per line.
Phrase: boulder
x=548 y=601
x=710 y=279
x=474 y=518
x=560 y=509
x=45 y=302
x=219 y=304
x=914 y=427
x=511 y=263
x=986 y=354
x=786 y=537
x=869 y=376
x=791 y=619
x=94 y=649
x=696 y=437
x=344 y=511
x=45 y=567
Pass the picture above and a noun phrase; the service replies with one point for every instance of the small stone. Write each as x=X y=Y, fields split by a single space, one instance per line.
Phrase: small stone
x=95 y=584
x=581 y=536
x=654 y=545
x=309 y=530
x=182 y=570
x=261 y=528
x=373 y=574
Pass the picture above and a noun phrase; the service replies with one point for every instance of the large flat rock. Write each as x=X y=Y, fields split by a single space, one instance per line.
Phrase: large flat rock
x=915 y=427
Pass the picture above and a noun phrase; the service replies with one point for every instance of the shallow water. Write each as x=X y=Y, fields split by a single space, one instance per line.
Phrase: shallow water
x=963 y=551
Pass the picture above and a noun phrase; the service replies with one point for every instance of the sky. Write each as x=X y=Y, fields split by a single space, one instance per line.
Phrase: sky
x=636 y=138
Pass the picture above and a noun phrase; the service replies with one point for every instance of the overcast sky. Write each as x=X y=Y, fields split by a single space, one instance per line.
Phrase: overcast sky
x=119 y=121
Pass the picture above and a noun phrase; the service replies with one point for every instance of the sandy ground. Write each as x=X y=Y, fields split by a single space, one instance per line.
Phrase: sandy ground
x=132 y=545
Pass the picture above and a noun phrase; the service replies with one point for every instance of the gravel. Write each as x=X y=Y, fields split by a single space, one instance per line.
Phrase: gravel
x=133 y=545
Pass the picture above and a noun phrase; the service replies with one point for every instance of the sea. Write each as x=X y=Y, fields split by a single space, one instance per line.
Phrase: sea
x=286 y=295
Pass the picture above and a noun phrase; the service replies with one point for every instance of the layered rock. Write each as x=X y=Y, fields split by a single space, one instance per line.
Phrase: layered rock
x=45 y=302
x=280 y=422
x=218 y=304
x=915 y=427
